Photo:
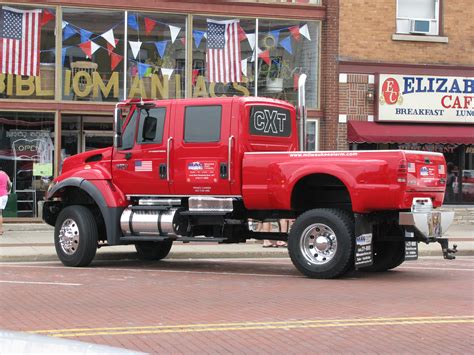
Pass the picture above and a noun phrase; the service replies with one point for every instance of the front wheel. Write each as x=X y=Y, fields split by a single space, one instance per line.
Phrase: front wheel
x=75 y=236
x=321 y=243
x=153 y=250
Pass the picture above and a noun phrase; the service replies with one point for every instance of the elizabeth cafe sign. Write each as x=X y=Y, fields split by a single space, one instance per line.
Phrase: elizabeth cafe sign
x=422 y=98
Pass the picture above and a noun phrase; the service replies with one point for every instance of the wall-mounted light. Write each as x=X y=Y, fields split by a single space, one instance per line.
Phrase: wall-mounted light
x=370 y=94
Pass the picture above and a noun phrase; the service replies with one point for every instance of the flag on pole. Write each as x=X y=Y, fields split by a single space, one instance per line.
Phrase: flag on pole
x=223 y=52
x=20 y=41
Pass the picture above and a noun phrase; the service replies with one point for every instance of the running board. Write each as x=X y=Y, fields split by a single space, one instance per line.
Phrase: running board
x=174 y=239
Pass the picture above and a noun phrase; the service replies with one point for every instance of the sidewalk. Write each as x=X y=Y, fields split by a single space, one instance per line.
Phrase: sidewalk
x=34 y=242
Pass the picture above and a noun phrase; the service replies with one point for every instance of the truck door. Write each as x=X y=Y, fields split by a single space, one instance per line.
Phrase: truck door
x=139 y=165
x=199 y=148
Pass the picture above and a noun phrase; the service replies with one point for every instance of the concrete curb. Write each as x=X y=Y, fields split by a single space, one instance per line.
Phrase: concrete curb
x=120 y=255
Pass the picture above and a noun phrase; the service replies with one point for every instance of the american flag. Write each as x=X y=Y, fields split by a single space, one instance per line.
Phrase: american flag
x=223 y=52
x=143 y=165
x=19 y=41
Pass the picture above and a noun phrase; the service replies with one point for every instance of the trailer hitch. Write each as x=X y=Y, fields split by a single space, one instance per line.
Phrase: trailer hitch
x=448 y=253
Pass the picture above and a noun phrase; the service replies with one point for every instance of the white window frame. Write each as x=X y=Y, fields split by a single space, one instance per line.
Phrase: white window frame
x=311 y=121
x=403 y=24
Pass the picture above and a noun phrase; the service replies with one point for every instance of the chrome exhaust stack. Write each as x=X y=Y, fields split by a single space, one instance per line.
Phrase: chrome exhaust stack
x=302 y=111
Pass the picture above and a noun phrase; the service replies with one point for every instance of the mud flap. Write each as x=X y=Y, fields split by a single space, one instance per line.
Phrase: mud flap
x=364 y=251
x=411 y=247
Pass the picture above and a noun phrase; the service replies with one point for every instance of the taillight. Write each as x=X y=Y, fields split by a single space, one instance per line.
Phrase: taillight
x=402 y=171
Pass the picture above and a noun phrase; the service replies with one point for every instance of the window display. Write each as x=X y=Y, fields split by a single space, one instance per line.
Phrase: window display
x=27 y=52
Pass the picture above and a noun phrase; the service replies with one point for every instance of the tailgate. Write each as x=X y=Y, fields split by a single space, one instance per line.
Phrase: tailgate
x=426 y=171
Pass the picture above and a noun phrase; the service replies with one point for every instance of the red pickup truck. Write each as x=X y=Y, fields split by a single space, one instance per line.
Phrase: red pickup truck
x=200 y=169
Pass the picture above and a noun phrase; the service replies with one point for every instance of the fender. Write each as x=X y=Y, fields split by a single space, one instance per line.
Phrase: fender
x=111 y=203
x=332 y=170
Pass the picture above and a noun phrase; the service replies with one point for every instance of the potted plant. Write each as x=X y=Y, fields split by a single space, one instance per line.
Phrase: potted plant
x=274 y=79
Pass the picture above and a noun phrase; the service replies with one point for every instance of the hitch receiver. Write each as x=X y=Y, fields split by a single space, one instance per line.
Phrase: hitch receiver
x=448 y=253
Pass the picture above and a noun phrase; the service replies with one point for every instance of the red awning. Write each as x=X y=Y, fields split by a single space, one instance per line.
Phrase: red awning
x=372 y=132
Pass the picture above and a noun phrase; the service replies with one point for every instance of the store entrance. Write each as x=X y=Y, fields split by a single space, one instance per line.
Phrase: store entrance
x=81 y=133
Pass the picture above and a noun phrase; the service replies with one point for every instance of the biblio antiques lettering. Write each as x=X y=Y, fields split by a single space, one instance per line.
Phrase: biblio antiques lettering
x=84 y=84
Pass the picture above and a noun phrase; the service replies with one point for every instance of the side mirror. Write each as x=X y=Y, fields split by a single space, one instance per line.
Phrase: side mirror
x=117 y=127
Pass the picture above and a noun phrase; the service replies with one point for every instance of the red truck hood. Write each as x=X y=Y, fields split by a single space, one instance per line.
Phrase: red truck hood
x=92 y=163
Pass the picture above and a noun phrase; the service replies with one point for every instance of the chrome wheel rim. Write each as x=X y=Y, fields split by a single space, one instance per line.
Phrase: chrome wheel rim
x=318 y=244
x=69 y=236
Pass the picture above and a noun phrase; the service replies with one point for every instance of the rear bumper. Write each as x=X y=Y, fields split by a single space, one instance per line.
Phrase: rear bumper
x=430 y=225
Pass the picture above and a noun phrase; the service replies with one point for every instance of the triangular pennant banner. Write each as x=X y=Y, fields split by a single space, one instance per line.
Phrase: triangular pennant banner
x=265 y=55
x=295 y=31
x=174 y=32
x=198 y=35
x=244 y=66
x=94 y=47
x=195 y=75
x=142 y=68
x=132 y=21
x=115 y=60
x=286 y=43
x=252 y=58
x=304 y=31
x=276 y=35
x=111 y=48
x=109 y=37
x=149 y=25
x=63 y=54
x=65 y=23
x=167 y=72
x=242 y=34
x=135 y=47
x=68 y=32
x=161 y=47
x=296 y=78
x=85 y=35
x=86 y=48
x=46 y=17
x=251 y=39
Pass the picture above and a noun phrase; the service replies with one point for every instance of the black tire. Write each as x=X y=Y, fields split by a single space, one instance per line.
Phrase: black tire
x=318 y=229
x=387 y=255
x=153 y=250
x=75 y=236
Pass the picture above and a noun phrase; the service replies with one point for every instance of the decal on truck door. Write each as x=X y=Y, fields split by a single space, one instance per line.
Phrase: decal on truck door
x=270 y=121
x=202 y=171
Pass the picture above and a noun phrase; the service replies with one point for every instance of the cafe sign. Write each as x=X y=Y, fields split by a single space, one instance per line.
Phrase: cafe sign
x=424 y=98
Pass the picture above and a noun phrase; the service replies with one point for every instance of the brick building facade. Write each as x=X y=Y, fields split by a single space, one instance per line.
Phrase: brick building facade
x=412 y=45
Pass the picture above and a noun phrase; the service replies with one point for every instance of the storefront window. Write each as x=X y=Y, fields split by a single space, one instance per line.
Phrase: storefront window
x=80 y=133
x=28 y=52
x=222 y=57
x=288 y=49
x=26 y=155
x=156 y=55
x=92 y=55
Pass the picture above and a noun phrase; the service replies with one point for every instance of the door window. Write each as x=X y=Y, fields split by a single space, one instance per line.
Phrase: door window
x=202 y=124
x=128 y=136
x=152 y=122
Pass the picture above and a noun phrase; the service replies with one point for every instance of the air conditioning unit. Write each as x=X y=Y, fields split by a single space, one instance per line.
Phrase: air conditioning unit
x=420 y=26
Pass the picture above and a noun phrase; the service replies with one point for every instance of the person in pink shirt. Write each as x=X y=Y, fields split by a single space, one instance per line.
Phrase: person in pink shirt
x=5 y=186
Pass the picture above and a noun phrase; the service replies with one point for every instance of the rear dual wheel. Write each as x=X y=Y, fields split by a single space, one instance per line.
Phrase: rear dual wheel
x=153 y=250
x=321 y=243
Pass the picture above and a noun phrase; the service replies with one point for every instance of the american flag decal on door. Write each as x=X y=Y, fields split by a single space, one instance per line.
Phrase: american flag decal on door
x=145 y=165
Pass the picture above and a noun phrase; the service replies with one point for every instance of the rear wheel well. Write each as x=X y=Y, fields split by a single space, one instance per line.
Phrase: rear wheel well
x=320 y=191
x=72 y=195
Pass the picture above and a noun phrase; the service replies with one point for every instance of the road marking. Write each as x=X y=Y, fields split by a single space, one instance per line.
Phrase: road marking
x=432 y=268
x=39 y=283
x=213 y=327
